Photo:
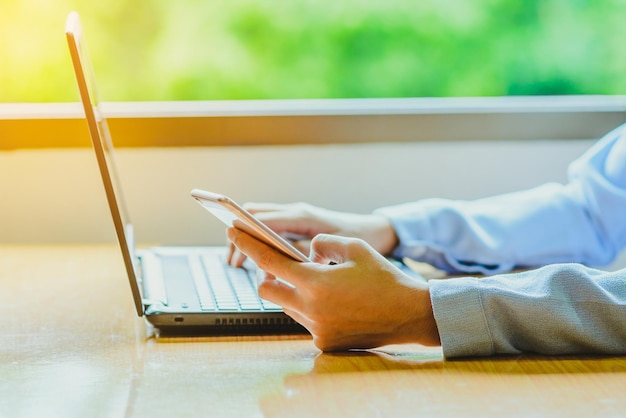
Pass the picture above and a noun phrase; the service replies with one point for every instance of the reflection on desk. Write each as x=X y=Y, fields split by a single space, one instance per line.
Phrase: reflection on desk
x=72 y=346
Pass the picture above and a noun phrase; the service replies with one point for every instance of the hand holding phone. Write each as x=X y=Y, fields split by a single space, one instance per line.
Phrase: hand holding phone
x=227 y=211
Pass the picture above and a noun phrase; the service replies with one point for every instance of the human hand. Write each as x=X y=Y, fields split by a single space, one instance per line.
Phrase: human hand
x=361 y=301
x=300 y=222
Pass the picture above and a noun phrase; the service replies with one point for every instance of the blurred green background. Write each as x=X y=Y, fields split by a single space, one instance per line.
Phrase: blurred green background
x=277 y=49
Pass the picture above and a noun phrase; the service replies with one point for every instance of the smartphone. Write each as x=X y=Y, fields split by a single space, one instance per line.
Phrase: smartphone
x=227 y=211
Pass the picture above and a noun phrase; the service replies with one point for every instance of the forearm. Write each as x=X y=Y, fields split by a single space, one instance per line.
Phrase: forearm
x=529 y=228
x=580 y=222
x=559 y=309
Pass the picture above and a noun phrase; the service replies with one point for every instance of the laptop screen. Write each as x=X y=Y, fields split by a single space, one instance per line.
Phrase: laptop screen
x=103 y=147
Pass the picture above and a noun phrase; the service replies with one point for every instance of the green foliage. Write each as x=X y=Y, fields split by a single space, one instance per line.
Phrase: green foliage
x=263 y=49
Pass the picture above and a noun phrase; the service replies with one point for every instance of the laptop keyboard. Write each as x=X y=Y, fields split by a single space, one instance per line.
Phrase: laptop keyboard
x=221 y=287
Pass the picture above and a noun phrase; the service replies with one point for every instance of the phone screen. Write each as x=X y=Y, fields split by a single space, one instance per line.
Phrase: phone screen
x=227 y=211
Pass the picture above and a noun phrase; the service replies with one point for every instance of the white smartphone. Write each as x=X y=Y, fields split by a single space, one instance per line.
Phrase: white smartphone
x=227 y=211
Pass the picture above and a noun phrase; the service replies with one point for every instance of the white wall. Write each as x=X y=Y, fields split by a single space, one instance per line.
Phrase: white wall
x=55 y=195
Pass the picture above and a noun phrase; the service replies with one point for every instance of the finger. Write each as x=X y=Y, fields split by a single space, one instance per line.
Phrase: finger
x=230 y=252
x=238 y=259
x=271 y=260
x=327 y=249
x=263 y=275
x=234 y=257
x=299 y=318
x=304 y=245
x=255 y=207
x=287 y=223
x=290 y=218
x=279 y=293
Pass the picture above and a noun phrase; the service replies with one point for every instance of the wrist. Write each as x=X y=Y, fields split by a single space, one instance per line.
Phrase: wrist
x=420 y=325
x=383 y=235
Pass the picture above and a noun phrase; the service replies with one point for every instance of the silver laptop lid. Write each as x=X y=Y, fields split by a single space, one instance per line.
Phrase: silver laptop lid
x=103 y=147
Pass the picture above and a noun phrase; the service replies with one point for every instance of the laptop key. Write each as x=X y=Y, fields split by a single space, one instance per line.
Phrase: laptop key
x=219 y=283
x=245 y=289
x=270 y=306
x=205 y=296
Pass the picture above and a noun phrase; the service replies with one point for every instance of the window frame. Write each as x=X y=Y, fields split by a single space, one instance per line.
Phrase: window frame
x=314 y=121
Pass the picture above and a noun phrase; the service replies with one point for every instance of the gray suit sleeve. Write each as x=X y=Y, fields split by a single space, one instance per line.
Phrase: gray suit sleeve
x=558 y=309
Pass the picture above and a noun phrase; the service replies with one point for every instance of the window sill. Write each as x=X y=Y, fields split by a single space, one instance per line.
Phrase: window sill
x=313 y=121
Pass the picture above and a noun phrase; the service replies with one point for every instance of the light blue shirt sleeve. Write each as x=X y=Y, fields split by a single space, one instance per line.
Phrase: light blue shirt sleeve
x=557 y=309
x=583 y=221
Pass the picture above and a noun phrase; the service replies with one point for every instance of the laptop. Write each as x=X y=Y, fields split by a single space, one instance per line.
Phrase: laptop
x=179 y=290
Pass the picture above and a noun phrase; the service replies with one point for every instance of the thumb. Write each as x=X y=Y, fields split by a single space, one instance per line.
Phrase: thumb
x=304 y=245
x=326 y=249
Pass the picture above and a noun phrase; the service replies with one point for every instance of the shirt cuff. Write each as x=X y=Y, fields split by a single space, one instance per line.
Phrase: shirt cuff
x=411 y=222
x=460 y=317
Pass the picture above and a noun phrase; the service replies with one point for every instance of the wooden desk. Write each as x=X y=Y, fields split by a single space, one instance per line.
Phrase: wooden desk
x=71 y=346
